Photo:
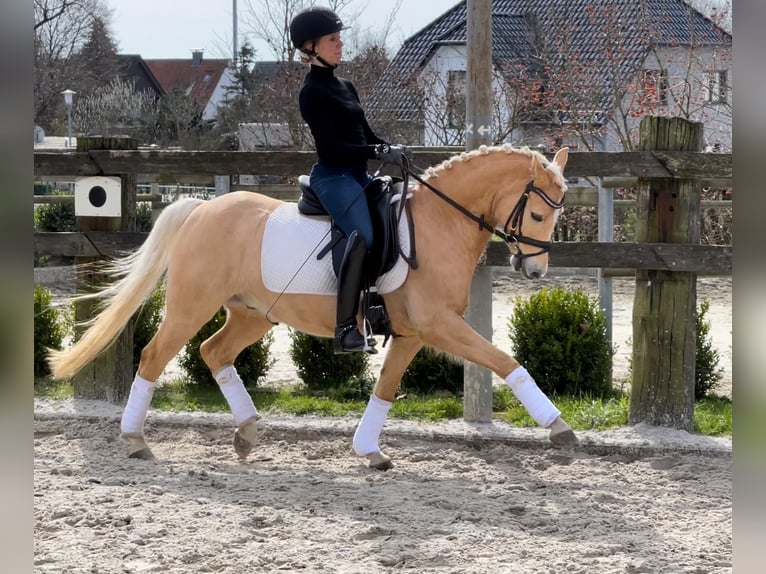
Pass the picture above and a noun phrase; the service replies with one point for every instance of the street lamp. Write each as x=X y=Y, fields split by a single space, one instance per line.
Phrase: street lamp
x=68 y=101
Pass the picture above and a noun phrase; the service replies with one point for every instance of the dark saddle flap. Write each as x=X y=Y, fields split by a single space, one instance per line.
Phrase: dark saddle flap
x=384 y=215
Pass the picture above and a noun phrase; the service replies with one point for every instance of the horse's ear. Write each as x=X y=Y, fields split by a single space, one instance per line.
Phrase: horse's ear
x=561 y=157
x=539 y=173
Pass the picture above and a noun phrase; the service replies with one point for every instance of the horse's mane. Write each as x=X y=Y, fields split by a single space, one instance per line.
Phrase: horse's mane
x=465 y=156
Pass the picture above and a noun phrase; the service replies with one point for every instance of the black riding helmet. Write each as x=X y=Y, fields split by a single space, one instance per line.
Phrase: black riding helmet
x=313 y=23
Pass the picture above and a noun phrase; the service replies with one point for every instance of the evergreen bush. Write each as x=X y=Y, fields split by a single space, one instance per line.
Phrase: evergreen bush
x=431 y=371
x=560 y=336
x=252 y=364
x=49 y=332
x=345 y=376
x=144 y=216
x=707 y=374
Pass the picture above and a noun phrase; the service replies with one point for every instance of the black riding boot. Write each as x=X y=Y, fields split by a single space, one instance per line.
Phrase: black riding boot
x=348 y=339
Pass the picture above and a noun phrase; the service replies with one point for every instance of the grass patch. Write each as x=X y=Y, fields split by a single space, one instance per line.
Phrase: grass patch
x=712 y=416
x=50 y=389
x=582 y=413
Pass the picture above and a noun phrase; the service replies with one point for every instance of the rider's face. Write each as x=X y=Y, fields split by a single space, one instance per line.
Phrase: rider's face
x=330 y=48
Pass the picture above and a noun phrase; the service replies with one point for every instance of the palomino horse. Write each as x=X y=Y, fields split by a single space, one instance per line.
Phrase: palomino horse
x=211 y=251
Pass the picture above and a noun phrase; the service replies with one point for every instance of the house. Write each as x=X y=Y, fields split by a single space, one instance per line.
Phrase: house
x=133 y=68
x=565 y=72
x=203 y=80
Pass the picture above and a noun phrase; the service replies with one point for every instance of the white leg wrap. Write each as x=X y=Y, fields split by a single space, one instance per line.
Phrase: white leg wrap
x=240 y=402
x=368 y=431
x=534 y=400
x=134 y=415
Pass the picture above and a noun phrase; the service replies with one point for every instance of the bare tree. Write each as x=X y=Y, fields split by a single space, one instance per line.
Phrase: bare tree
x=179 y=121
x=62 y=29
x=271 y=98
x=269 y=21
x=116 y=109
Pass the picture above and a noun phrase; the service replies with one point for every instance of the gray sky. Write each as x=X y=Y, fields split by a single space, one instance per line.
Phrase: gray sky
x=173 y=28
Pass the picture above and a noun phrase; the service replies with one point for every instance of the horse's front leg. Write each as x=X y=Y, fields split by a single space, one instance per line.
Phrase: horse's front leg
x=450 y=333
x=398 y=357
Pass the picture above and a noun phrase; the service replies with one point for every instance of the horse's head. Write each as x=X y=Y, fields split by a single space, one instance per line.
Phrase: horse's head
x=530 y=225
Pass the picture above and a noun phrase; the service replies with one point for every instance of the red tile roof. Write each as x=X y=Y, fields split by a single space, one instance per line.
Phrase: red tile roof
x=198 y=82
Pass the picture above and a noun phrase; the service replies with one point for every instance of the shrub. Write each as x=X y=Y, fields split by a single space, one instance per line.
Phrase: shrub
x=252 y=364
x=144 y=216
x=148 y=319
x=55 y=217
x=707 y=374
x=49 y=332
x=432 y=371
x=344 y=376
x=559 y=335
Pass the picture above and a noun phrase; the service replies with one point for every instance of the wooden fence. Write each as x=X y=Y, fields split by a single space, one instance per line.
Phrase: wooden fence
x=661 y=256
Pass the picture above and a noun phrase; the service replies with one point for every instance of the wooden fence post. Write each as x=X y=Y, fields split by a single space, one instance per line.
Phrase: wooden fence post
x=477 y=381
x=108 y=377
x=664 y=307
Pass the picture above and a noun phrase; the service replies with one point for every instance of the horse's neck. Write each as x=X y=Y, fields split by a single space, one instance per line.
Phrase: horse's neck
x=476 y=184
x=473 y=184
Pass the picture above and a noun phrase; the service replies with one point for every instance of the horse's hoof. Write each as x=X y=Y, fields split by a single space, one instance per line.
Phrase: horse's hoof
x=143 y=454
x=379 y=461
x=562 y=435
x=566 y=439
x=137 y=447
x=245 y=437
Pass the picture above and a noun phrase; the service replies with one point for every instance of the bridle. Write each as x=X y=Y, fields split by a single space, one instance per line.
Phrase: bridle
x=511 y=233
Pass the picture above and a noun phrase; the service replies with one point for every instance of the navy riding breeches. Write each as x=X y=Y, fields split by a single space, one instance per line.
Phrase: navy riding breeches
x=341 y=191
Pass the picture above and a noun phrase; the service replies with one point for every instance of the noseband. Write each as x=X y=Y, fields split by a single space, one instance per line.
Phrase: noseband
x=514 y=237
x=515 y=219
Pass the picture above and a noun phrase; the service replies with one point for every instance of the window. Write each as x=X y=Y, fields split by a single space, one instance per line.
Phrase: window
x=716 y=86
x=456 y=99
x=656 y=87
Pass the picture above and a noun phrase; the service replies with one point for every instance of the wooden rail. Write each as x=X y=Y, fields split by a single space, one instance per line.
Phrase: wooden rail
x=708 y=259
x=172 y=164
x=658 y=168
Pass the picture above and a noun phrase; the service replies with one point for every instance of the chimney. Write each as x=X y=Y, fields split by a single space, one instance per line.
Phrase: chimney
x=196 y=58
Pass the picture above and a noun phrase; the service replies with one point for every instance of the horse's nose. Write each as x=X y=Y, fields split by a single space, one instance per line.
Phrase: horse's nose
x=534 y=275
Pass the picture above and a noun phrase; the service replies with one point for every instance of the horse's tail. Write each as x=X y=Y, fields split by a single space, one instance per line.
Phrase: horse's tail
x=139 y=274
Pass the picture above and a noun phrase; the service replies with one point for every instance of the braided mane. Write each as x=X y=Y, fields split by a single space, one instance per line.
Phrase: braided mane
x=433 y=172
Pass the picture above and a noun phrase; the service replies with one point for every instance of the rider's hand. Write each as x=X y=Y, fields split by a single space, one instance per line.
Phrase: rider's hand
x=398 y=155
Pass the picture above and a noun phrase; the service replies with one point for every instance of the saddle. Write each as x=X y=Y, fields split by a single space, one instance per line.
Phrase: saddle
x=386 y=197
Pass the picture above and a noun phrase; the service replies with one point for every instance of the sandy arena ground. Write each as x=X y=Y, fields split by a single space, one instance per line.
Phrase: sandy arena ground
x=631 y=500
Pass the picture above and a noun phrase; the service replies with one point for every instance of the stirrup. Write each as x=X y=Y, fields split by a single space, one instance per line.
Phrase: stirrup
x=357 y=343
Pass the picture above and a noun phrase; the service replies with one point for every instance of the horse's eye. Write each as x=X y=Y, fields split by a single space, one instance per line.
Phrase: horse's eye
x=536 y=216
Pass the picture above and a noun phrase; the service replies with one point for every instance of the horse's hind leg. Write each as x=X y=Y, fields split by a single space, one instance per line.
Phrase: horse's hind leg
x=399 y=356
x=178 y=326
x=242 y=329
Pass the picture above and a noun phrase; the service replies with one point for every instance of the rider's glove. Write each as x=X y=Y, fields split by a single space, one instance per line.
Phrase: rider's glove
x=398 y=155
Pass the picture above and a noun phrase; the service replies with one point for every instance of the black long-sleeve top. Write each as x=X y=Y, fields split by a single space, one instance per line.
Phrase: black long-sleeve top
x=331 y=107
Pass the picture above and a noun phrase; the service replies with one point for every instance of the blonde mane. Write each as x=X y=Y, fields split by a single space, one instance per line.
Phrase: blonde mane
x=433 y=172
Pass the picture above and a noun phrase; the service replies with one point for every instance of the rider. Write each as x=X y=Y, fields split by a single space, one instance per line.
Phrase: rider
x=344 y=142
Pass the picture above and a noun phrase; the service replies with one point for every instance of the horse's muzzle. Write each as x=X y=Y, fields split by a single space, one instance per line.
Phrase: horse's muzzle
x=528 y=267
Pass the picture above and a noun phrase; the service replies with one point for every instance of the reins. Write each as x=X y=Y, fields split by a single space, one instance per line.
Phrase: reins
x=515 y=236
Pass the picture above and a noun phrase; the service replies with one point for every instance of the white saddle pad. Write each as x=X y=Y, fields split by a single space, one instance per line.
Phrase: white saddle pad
x=291 y=243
